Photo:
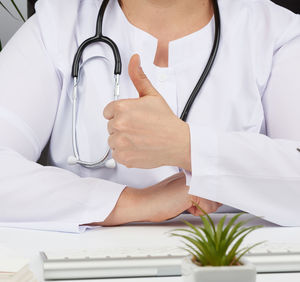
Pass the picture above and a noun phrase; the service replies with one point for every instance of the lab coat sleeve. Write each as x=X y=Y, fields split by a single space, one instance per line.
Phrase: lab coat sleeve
x=33 y=196
x=257 y=173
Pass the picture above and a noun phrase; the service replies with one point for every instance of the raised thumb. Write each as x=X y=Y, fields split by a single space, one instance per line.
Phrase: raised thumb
x=139 y=79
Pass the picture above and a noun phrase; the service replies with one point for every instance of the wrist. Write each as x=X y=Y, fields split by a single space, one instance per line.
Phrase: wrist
x=184 y=152
x=127 y=209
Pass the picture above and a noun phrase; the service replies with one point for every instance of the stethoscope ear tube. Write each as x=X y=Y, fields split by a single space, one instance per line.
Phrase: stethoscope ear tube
x=98 y=37
x=92 y=40
x=209 y=64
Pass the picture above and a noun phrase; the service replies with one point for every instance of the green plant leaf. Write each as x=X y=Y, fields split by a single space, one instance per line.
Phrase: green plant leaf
x=206 y=216
x=233 y=252
x=192 y=240
x=234 y=231
x=217 y=245
x=245 y=229
x=195 y=254
x=203 y=246
x=197 y=231
x=210 y=240
x=8 y=11
x=208 y=227
x=219 y=231
x=18 y=10
x=230 y=224
x=247 y=249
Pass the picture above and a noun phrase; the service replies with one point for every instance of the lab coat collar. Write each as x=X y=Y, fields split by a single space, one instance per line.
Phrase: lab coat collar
x=131 y=40
x=181 y=51
x=184 y=50
x=136 y=40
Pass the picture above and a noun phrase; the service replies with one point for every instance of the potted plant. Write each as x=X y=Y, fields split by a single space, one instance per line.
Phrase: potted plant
x=215 y=251
x=9 y=12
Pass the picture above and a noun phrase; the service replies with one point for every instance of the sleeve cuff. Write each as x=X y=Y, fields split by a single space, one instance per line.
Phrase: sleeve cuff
x=203 y=180
x=188 y=177
x=101 y=200
x=94 y=205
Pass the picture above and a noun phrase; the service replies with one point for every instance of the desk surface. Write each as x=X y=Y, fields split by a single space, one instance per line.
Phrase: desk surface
x=29 y=243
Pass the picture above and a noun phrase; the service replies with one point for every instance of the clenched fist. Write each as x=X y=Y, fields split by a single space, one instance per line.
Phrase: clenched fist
x=144 y=132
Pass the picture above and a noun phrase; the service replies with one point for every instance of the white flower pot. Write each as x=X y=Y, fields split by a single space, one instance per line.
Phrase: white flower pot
x=194 y=273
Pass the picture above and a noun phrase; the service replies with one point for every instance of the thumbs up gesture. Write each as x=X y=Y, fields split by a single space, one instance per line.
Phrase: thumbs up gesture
x=144 y=132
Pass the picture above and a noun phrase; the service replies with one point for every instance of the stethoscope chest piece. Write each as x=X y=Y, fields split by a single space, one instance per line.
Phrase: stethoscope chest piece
x=108 y=163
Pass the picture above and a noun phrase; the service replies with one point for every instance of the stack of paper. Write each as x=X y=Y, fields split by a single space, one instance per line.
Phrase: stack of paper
x=14 y=268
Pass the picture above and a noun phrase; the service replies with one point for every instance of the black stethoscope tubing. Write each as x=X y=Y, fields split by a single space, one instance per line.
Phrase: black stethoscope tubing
x=99 y=37
x=209 y=64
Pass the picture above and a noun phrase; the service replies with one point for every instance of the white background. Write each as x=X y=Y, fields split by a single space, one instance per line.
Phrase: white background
x=9 y=25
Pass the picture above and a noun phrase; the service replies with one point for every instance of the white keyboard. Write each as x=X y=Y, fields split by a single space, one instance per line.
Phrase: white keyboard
x=116 y=263
x=275 y=257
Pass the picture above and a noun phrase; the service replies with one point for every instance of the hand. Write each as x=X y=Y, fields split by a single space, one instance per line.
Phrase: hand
x=157 y=203
x=144 y=132
x=170 y=198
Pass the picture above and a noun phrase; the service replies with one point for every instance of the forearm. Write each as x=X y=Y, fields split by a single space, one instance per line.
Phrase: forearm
x=156 y=203
x=152 y=204
x=129 y=208
x=182 y=148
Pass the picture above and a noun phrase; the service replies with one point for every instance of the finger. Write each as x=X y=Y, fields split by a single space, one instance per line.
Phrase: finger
x=191 y=210
x=194 y=211
x=139 y=79
x=110 y=127
x=118 y=141
x=108 y=111
x=111 y=142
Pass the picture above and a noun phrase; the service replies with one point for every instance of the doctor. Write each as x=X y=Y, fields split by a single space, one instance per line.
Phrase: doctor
x=238 y=146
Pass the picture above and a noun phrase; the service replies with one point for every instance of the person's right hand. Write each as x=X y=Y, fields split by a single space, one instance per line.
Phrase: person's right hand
x=157 y=203
x=170 y=198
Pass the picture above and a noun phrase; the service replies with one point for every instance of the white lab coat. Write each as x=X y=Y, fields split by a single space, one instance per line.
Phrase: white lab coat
x=244 y=125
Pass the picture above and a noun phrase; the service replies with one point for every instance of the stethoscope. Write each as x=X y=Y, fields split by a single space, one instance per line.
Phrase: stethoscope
x=104 y=161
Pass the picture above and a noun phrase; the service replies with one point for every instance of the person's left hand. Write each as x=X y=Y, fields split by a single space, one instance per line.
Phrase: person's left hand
x=144 y=132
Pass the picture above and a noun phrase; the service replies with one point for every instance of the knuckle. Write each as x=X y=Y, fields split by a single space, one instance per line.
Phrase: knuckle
x=123 y=158
x=121 y=141
x=107 y=110
x=119 y=124
x=119 y=106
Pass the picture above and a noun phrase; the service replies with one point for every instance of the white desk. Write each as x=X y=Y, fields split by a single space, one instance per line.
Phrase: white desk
x=28 y=243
